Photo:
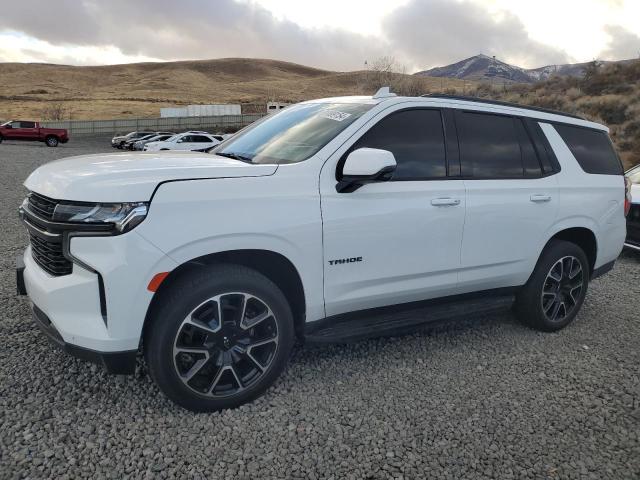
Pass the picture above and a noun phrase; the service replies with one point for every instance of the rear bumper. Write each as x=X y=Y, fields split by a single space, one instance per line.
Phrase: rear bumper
x=121 y=363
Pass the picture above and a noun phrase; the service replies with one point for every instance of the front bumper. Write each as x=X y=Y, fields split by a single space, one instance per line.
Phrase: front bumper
x=120 y=363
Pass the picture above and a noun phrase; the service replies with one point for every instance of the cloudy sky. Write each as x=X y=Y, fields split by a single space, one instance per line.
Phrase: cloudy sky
x=332 y=34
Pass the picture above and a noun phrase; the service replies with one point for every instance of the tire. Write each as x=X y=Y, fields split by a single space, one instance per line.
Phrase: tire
x=51 y=141
x=554 y=294
x=206 y=365
x=1 y=138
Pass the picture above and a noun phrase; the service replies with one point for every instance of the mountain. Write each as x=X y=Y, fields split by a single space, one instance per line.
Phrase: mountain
x=140 y=89
x=489 y=69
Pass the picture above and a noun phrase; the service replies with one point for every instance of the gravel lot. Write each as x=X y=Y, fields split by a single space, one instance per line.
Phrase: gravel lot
x=481 y=398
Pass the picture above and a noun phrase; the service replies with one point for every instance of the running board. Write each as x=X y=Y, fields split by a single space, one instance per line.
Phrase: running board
x=405 y=318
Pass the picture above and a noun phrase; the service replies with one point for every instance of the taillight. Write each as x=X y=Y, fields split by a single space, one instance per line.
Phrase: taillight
x=627 y=196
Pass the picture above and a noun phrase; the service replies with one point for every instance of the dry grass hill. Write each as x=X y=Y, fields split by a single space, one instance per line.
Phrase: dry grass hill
x=608 y=94
x=139 y=90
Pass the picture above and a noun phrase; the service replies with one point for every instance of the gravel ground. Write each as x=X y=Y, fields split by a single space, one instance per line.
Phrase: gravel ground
x=481 y=398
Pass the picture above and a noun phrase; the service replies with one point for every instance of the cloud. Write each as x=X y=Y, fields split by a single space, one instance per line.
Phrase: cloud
x=622 y=46
x=189 y=29
x=419 y=34
x=438 y=32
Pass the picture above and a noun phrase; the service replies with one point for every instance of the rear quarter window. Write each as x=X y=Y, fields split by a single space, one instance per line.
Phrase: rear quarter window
x=592 y=149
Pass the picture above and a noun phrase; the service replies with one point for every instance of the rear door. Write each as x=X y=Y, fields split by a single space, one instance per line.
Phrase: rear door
x=202 y=142
x=511 y=197
x=28 y=131
x=396 y=241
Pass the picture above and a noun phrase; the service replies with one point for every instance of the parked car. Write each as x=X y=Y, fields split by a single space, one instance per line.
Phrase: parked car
x=183 y=141
x=32 y=131
x=139 y=144
x=330 y=221
x=633 y=219
x=128 y=145
x=119 y=140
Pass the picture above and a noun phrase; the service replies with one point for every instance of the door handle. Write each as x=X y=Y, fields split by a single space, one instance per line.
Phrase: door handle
x=540 y=198
x=444 y=202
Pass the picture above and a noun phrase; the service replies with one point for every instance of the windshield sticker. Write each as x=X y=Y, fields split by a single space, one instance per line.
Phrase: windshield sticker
x=337 y=116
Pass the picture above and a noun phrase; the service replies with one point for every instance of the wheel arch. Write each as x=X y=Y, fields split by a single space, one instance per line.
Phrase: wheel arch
x=275 y=266
x=581 y=236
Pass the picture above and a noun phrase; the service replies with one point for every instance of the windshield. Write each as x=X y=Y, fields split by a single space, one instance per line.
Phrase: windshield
x=634 y=175
x=292 y=135
x=173 y=138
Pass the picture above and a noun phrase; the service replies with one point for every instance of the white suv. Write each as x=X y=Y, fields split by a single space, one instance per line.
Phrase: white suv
x=197 y=141
x=331 y=220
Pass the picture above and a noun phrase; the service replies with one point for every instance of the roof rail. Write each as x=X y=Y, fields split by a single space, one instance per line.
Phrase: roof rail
x=498 y=102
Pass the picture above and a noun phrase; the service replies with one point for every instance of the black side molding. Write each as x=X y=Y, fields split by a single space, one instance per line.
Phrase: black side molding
x=598 y=272
x=20 y=287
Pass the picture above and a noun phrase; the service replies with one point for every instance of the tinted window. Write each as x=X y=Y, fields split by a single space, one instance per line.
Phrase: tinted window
x=592 y=148
x=27 y=124
x=416 y=139
x=530 y=162
x=489 y=146
x=201 y=139
x=186 y=139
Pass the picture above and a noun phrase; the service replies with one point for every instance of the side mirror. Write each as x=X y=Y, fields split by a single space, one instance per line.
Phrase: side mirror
x=366 y=165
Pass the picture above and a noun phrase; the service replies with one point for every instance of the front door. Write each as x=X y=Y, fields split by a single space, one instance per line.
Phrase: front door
x=396 y=241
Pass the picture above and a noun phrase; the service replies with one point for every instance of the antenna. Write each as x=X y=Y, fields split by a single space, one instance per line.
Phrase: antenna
x=384 y=92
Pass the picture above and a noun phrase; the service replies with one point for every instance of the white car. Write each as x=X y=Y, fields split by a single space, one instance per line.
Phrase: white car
x=184 y=141
x=331 y=220
x=633 y=219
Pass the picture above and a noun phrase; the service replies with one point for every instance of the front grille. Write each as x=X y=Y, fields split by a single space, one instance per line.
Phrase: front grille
x=49 y=256
x=42 y=206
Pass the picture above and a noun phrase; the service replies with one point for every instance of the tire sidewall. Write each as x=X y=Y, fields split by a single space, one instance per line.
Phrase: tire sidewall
x=533 y=289
x=166 y=324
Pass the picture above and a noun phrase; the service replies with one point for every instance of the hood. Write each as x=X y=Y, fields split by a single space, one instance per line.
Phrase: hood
x=131 y=177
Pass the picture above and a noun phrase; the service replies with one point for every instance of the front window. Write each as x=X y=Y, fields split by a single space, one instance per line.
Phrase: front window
x=293 y=134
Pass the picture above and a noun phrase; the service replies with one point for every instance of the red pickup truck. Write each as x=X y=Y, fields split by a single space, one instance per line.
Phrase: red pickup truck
x=21 y=130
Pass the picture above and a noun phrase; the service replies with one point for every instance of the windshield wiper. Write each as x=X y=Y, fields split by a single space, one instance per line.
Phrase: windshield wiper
x=235 y=156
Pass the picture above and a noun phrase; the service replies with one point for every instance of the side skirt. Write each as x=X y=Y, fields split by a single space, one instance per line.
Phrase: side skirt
x=404 y=318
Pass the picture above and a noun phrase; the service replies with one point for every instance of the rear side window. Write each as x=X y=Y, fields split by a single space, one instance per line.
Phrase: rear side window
x=416 y=139
x=27 y=124
x=592 y=149
x=489 y=145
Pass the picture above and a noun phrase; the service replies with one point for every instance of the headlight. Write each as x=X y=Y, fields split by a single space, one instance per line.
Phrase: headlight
x=124 y=216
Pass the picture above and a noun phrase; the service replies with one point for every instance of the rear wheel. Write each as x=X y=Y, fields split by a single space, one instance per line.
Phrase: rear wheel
x=51 y=141
x=556 y=290
x=219 y=338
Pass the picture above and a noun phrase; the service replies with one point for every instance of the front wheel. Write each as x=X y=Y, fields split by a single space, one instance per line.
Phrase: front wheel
x=219 y=338
x=51 y=141
x=557 y=288
x=1 y=138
